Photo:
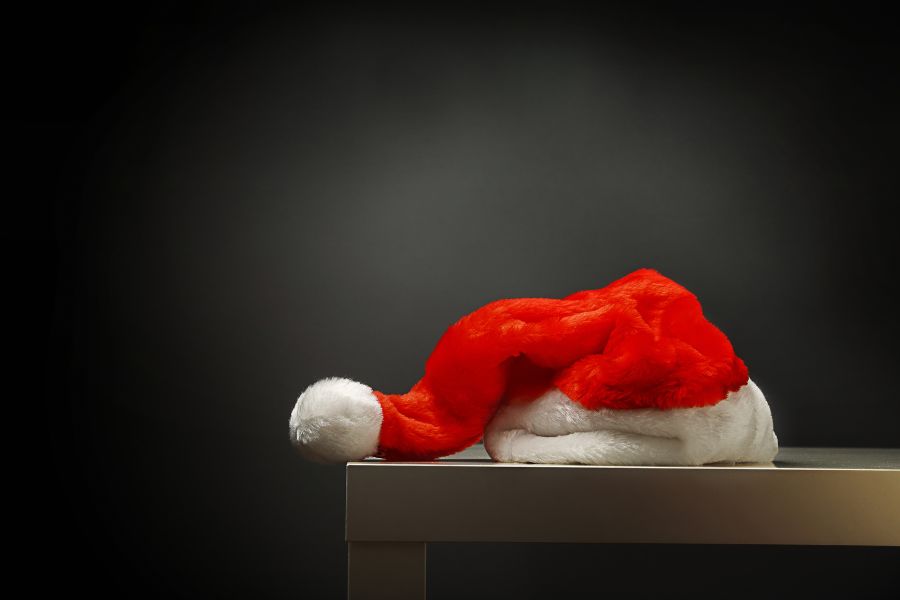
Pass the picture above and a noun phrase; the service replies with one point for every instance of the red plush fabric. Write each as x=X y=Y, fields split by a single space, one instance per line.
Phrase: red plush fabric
x=640 y=342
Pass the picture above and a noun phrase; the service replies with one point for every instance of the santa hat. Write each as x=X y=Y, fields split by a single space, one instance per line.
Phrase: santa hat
x=631 y=373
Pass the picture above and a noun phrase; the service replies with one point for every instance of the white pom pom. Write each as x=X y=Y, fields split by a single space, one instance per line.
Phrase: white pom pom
x=336 y=420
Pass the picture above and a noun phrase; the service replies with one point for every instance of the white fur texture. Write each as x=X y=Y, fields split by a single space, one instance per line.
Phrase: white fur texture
x=336 y=420
x=554 y=429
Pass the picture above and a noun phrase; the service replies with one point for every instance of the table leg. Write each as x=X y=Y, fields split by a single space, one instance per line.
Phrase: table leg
x=394 y=570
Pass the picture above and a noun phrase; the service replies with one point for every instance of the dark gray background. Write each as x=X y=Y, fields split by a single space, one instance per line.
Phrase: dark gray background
x=224 y=207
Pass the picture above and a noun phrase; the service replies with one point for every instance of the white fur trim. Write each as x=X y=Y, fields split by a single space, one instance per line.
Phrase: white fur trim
x=336 y=420
x=554 y=429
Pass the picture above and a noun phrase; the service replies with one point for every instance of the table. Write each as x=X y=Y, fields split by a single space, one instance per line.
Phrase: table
x=807 y=496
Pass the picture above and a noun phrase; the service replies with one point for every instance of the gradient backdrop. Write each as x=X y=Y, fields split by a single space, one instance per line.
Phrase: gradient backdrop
x=217 y=209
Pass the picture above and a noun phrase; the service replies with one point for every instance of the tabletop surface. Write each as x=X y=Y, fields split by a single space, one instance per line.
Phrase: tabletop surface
x=811 y=496
x=788 y=458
